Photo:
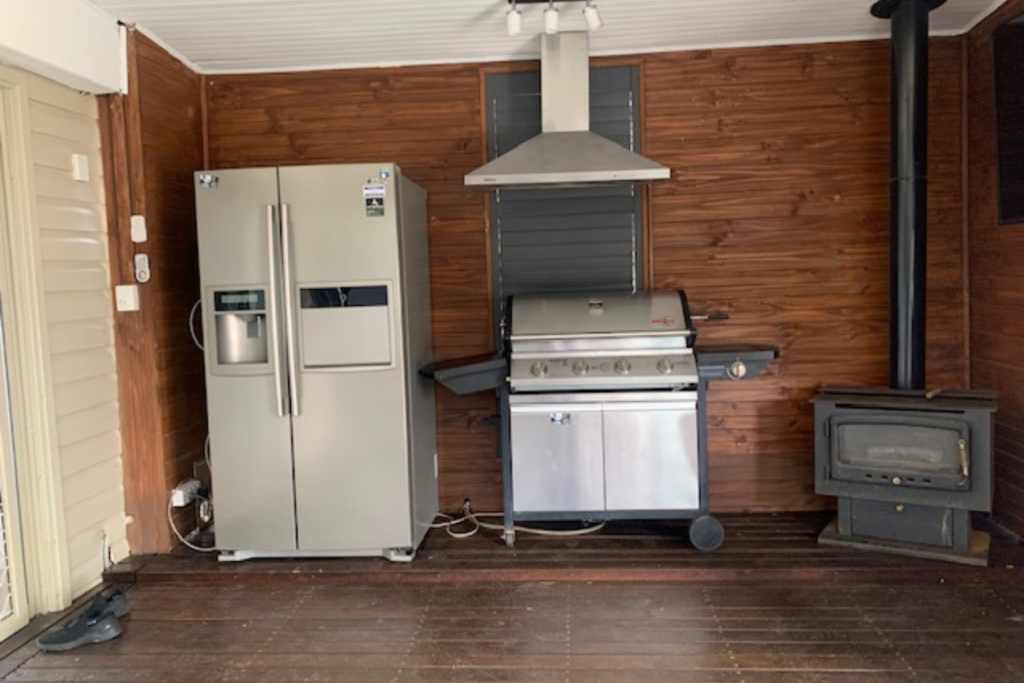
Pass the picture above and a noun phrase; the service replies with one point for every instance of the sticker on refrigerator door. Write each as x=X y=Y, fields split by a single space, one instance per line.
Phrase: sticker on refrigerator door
x=373 y=195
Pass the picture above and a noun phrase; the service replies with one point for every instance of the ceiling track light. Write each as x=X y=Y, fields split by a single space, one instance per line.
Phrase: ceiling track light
x=551 y=18
x=514 y=18
x=592 y=15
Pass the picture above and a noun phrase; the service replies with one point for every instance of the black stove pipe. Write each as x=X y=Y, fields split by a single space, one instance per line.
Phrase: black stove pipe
x=909 y=186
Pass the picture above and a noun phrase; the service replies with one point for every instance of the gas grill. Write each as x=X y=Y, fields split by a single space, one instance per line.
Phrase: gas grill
x=602 y=412
x=602 y=408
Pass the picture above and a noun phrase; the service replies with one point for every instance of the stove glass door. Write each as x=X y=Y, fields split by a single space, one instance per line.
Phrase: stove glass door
x=912 y=450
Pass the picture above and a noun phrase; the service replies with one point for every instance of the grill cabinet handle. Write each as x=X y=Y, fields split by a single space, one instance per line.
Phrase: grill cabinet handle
x=561 y=418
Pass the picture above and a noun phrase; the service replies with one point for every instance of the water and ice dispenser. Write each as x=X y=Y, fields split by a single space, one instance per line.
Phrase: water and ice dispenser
x=240 y=322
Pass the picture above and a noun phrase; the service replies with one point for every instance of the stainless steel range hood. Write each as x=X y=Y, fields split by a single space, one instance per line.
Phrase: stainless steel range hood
x=566 y=152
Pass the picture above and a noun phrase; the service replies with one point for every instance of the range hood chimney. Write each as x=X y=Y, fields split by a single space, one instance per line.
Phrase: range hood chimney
x=566 y=152
x=909 y=187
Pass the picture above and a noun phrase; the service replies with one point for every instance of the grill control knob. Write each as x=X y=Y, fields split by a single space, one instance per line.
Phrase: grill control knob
x=622 y=366
x=539 y=369
x=665 y=366
x=737 y=370
x=579 y=367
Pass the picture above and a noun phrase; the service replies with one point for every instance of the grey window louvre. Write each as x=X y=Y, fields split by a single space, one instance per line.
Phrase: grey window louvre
x=561 y=240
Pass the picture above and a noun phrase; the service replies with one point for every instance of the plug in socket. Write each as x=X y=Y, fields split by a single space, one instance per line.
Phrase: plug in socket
x=184 y=493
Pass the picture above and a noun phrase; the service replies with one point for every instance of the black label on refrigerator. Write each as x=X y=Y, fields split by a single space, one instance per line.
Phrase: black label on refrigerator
x=374 y=206
x=344 y=297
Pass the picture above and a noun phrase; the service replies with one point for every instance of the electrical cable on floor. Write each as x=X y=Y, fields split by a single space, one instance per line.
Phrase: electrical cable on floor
x=473 y=518
x=451 y=521
x=192 y=324
x=174 y=528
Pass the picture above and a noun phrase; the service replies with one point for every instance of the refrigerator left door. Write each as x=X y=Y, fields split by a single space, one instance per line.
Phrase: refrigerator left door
x=250 y=431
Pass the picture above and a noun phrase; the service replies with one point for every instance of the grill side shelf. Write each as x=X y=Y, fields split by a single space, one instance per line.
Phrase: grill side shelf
x=469 y=375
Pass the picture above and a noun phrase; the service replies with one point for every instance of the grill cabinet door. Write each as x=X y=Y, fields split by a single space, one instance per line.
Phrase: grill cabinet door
x=650 y=457
x=557 y=458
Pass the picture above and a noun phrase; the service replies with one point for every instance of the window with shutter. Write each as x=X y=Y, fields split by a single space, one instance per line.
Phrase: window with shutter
x=583 y=239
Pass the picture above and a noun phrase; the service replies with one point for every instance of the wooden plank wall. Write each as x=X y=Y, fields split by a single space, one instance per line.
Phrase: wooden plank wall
x=427 y=119
x=777 y=213
x=154 y=144
x=996 y=279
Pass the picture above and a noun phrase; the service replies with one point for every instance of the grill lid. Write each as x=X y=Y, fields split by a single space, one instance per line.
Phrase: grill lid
x=603 y=315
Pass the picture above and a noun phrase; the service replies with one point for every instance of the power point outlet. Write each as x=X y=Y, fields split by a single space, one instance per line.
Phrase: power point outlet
x=184 y=493
x=126 y=297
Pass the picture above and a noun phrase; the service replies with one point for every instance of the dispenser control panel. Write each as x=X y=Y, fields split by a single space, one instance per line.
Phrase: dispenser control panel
x=239 y=300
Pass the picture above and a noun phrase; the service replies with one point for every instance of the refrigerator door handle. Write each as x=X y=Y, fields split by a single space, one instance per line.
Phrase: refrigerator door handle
x=291 y=339
x=273 y=313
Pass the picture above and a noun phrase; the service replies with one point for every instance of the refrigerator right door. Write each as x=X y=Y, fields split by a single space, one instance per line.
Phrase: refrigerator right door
x=349 y=413
x=250 y=429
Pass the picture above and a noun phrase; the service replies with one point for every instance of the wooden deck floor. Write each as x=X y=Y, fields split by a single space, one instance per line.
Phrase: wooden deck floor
x=758 y=549
x=779 y=612
x=550 y=632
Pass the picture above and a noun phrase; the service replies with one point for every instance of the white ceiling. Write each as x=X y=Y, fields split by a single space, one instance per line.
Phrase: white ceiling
x=220 y=36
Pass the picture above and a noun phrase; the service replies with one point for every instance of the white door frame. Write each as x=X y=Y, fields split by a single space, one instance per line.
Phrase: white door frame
x=47 y=576
x=14 y=611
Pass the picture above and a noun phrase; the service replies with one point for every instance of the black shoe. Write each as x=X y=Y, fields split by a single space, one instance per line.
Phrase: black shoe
x=115 y=601
x=81 y=631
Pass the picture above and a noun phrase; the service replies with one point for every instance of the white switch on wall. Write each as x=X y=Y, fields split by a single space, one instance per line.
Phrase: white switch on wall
x=142 y=272
x=126 y=297
x=80 y=167
x=138 y=229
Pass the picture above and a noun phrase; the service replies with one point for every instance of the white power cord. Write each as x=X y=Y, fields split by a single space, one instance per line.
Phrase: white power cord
x=473 y=518
x=192 y=324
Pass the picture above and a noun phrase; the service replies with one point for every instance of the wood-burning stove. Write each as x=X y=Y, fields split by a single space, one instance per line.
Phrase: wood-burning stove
x=908 y=466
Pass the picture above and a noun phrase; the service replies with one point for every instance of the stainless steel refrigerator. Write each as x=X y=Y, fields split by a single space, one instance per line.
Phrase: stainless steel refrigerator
x=316 y=313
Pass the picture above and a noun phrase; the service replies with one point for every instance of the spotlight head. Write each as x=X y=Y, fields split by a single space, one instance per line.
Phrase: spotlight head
x=592 y=15
x=514 y=21
x=551 y=20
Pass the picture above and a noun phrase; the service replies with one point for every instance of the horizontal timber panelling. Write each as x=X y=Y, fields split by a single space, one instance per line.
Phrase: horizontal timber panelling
x=156 y=141
x=996 y=270
x=427 y=120
x=777 y=213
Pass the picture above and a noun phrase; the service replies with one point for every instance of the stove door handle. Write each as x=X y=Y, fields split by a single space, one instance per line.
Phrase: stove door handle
x=965 y=461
